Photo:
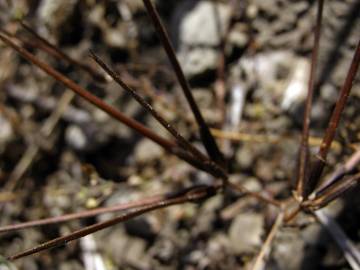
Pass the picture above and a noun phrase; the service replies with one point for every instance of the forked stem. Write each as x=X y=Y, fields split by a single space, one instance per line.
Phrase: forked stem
x=180 y=139
x=113 y=112
x=339 y=173
x=206 y=137
x=317 y=169
x=333 y=192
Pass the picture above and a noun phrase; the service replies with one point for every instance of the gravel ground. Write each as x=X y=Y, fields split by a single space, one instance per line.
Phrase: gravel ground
x=59 y=154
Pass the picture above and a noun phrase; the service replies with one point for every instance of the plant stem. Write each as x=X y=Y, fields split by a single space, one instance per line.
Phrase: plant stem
x=180 y=139
x=59 y=54
x=304 y=146
x=318 y=167
x=206 y=137
x=193 y=194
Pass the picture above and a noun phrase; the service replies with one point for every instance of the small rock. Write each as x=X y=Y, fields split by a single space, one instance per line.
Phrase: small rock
x=296 y=90
x=6 y=265
x=120 y=247
x=198 y=61
x=115 y=39
x=55 y=13
x=288 y=249
x=264 y=169
x=72 y=264
x=147 y=151
x=136 y=253
x=329 y=93
x=207 y=214
x=245 y=157
x=6 y=131
x=245 y=232
x=209 y=18
x=252 y=184
x=164 y=251
x=238 y=37
x=218 y=247
x=75 y=137
x=197 y=49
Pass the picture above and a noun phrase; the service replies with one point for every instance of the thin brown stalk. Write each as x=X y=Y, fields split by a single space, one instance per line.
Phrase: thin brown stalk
x=33 y=43
x=168 y=145
x=266 y=138
x=289 y=217
x=304 y=145
x=133 y=124
x=180 y=139
x=334 y=122
x=266 y=247
x=254 y=194
x=333 y=192
x=220 y=83
x=339 y=173
x=59 y=54
x=82 y=214
x=206 y=137
x=192 y=195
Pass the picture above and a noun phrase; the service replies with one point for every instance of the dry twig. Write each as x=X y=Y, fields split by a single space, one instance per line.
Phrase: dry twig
x=304 y=145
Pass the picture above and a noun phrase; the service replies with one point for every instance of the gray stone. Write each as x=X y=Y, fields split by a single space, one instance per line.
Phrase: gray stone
x=75 y=137
x=201 y=30
x=55 y=13
x=146 y=151
x=288 y=249
x=201 y=25
x=198 y=61
x=114 y=37
x=6 y=131
x=245 y=157
x=6 y=265
x=245 y=232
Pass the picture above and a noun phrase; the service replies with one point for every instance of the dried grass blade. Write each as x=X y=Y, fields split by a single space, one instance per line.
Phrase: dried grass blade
x=318 y=167
x=180 y=139
x=133 y=124
x=168 y=145
x=333 y=192
x=59 y=54
x=206 y=137
x=80 y=215
x=191 y=195
x=266 y=247
x=339 y=173
x=304 y=145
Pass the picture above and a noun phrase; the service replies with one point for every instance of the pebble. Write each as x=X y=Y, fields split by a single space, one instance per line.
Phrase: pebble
x=55 y=13
x=6 y=131
x=198 y=61
x=288 y=249
x=197 y=50
x=75 y=137
x=202 y=16
x=245 y=232
x=147 y=151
